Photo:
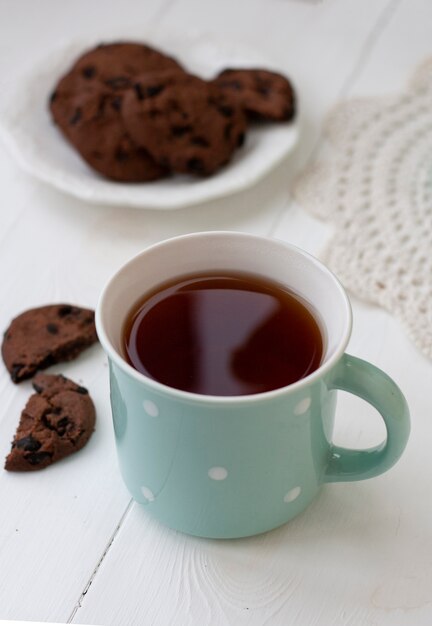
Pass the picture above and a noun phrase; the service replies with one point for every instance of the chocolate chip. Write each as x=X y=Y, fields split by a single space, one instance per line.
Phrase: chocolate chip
x=139 y=91
x=213 y=102
x=82 y=390
x=63 y=422
x=153 y=90
x=154 y=113
x=200 y=141
x=227 y=131
x=225 y=110
x=36 y=458
x=89 y=71
x=47 y=361
x=240 y=139
x=75 y=117
x=179 y=131
x=174 y=106
x=29 y=444
x=52 y=329
x=196 y=166
x=232 y=84
x=103 y=100
x=118 y=82
x=64 y=310
x=263 y=90
x=47 y=422
x=62 y=425
x=116 y=103
x=53 y=96
x=37 y=387
x=15 y=371
x=121 y=155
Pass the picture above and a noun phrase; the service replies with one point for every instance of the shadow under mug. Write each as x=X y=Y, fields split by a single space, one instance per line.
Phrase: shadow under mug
x=236 y=466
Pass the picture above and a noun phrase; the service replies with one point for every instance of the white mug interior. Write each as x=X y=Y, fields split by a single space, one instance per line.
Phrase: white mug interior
x=270 y=259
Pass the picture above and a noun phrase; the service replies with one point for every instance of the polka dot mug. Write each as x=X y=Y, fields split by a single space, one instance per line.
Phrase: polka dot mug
x=218 y=466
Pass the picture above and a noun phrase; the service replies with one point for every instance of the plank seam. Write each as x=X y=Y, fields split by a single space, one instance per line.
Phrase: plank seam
x=78 y=605
x=156 y=18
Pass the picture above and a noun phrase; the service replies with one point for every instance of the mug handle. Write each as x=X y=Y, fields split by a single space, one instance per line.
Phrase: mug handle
x=371 y=384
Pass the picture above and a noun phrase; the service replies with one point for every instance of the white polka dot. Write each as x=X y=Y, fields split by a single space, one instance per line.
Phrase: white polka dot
x=150 y=408
x=302 y=406
x=148 y=494
x=292 y=494
x=218 y=473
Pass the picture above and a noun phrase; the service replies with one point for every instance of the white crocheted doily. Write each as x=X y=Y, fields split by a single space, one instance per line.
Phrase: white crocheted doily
x=376 y=190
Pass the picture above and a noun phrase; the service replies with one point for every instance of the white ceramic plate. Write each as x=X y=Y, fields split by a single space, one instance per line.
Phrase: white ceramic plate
x=28 y=131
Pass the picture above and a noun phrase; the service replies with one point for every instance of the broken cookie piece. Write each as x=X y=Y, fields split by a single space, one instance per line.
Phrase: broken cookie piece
x=56 y=421
x=46 y=335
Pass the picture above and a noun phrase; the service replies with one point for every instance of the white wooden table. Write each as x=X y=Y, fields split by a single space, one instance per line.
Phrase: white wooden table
x=73 y=546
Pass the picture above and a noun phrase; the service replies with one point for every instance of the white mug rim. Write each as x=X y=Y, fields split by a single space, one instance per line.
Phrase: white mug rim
x=179 y=394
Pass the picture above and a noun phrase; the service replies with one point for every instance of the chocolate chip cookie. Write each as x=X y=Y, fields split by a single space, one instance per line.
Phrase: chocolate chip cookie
x=86 y=105
x=46 y=335
x=186 y=124
x=89 y=115
x=56 y=421
x=262 y=94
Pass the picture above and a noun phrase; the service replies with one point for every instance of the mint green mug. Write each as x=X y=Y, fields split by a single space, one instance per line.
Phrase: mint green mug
x=218 y=466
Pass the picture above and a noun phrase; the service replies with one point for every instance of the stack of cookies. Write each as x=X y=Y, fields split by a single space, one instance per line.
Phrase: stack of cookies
x=135 y=114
